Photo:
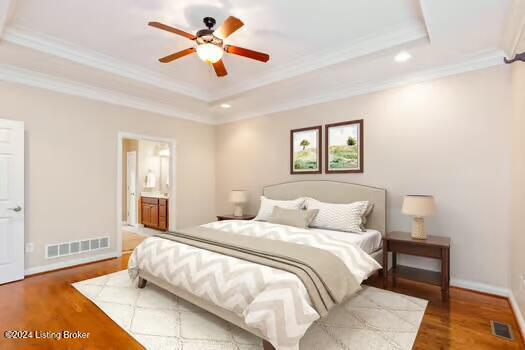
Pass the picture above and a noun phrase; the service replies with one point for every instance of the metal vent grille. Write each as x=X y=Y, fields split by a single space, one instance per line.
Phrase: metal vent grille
x=502 y=330
x=75 y=247
x=104 y=242
x=95 y=244
x=52 y=251
x=84 y=246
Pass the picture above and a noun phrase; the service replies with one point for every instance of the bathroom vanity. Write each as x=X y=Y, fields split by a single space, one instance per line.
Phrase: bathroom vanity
x=154 y=209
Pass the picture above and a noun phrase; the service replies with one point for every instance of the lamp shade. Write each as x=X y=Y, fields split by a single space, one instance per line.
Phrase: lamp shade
x=419 y=205
x=238 y=196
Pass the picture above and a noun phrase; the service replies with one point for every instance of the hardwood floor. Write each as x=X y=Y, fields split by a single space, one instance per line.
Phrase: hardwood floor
x=131 y=240
x=463 y=322
x=48 y=302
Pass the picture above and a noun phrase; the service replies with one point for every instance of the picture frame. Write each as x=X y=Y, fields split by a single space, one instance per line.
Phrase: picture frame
x=344 y=147
x=305 y=150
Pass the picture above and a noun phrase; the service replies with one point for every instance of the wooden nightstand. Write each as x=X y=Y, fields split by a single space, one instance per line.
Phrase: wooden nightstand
x=231 y=217
x=436 y=247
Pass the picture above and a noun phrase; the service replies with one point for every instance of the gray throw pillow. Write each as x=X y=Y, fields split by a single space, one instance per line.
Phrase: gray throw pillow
x=293 y=217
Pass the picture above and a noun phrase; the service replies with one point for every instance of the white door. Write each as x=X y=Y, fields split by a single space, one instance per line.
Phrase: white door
x=11 y=200
x=131 y=180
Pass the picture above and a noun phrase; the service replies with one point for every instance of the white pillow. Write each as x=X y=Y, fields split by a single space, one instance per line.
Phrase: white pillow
x=266 y=208
x=340 y=217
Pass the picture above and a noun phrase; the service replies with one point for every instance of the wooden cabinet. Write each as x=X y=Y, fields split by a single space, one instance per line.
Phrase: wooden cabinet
x=155 y=213
x=163 y=214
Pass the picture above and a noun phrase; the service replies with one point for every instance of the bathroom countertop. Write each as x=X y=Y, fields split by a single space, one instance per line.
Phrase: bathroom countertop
x=154 y=195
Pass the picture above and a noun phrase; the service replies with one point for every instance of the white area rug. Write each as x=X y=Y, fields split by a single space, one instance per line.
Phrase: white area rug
x=372 y=319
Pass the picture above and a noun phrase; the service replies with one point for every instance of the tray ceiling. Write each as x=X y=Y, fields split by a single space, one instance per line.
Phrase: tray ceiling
x=316 y=51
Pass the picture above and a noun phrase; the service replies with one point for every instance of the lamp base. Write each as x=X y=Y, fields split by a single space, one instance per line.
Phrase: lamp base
x=418 y=228
x=237 y=211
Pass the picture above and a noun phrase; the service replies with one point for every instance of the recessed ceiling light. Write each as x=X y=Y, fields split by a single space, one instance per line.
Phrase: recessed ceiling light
x=403 y=56
x=225 y=105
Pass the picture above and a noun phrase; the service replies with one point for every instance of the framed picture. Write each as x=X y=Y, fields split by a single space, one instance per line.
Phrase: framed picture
x=344 y=147
x=305 y=150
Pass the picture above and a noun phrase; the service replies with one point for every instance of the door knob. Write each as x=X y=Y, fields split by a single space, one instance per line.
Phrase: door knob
x=17 y=208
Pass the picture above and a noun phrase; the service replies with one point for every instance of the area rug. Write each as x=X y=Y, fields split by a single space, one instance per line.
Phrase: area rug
x=372 y=319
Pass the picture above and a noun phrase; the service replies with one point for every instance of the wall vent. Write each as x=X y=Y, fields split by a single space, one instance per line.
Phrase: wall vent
x=75 y=247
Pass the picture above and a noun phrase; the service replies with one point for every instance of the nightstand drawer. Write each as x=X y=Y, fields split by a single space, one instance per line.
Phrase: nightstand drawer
x=415 y=249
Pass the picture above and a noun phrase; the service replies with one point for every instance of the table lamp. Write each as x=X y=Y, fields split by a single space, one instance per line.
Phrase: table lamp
x=418 y=206
x=238 y=198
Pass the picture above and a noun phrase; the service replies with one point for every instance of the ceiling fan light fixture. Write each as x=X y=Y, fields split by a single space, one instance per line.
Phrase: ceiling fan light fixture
x=209 y=52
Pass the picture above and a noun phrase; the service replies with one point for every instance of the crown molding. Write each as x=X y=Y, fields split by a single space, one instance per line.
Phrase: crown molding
x=407 y=33
x=24 y=37
x=35 y=79
x=515 y=29
x=31 y=78
x=6 y=11
x=425 y=12
x=474 y=62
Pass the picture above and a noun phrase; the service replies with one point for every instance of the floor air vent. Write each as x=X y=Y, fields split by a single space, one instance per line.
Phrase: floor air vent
x=502 y=330
x=76 y=247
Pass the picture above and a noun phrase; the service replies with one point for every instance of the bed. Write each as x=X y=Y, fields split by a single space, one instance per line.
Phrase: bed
x=258 y=307
x=339 y=192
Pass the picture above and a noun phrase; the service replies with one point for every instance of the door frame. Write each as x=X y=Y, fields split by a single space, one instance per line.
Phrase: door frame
x=16 y=181
x=134 y=220
x=172 y=179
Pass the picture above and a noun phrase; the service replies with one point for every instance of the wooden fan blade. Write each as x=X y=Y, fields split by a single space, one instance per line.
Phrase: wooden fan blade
x=228 y=27
x=176 y=55
x=220 y=69
x=172 y=30
x=254 y=55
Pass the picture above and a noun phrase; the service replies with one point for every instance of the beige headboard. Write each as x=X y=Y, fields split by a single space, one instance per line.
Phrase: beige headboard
x=335 y=192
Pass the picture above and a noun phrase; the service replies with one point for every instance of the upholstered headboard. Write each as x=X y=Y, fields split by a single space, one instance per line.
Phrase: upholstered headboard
x=335 y=192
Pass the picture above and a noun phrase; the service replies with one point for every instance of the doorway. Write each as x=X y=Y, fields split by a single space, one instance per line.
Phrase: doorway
x=146 y=188
x=12 y=208
x=131 y=188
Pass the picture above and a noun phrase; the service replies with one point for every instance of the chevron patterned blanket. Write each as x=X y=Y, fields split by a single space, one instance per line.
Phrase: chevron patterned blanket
x=269 y=299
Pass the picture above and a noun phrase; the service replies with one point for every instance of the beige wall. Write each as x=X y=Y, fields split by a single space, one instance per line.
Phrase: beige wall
x=448 y=137
x=71 y=165
x=518 y=191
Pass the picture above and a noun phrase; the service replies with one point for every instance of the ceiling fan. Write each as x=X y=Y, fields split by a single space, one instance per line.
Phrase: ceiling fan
x=210 y=43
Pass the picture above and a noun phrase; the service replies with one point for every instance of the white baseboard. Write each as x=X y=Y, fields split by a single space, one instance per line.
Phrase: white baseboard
x=427 y=264
x=517 y=312
x=480 y=287
x=69 y=263
x=504 y=292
